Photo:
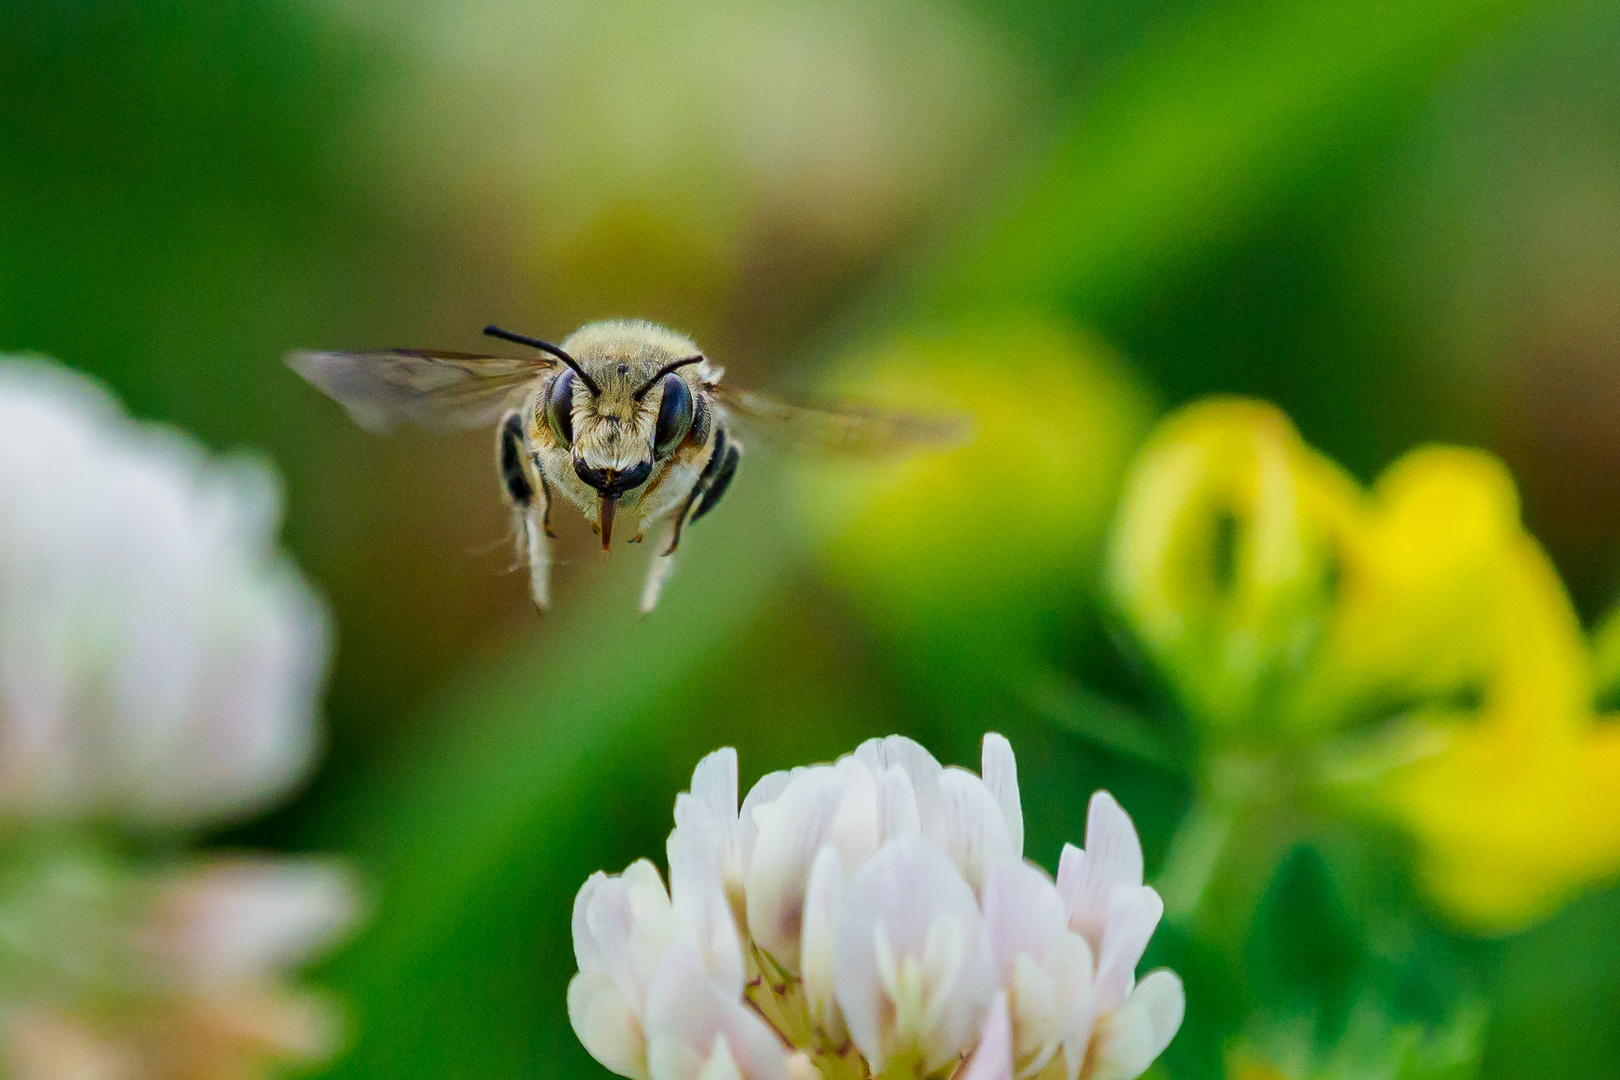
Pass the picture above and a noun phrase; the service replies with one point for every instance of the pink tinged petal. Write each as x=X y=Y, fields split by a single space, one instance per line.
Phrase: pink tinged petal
x=1134 y=1035
x=993 y=1059
x=1000 y=771
x=714 y=783
x=1023 y=914
x=912 y=969
x=721 y=1065
x=697 y=822
x=1070 y=864
x=834 y=805
x=623 y=925
x=1113 y=857
x=1133 y=914
x=606 y=1025
x=897 y=805
x=1046 y=967
x=766 y=791
x=694 y=1027
x=854 y=828
x=698 y=895
x=1037 y=1015
x=1073 y=971
x=823 y=900
x=975 y=830
x=899 y=752
x=707 y=816
x=587 y=954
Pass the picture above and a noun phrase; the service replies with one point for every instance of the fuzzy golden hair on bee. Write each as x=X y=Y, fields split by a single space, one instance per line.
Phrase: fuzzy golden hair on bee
x=626 y=420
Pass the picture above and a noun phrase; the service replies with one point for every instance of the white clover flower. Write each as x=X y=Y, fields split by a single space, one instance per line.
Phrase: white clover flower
x=872 y=917
x=159 y=663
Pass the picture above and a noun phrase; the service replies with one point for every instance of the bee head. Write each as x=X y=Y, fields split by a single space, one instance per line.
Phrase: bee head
x=624 y=401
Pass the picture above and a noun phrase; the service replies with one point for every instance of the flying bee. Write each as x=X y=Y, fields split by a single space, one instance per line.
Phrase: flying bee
x=626 y=420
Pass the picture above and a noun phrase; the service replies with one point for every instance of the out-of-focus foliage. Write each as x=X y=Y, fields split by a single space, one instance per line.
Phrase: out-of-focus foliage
x=1329 y=1002
x=1396 y=221
x=1003 y=530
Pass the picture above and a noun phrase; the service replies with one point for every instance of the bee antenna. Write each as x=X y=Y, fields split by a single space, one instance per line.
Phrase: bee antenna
x=661 y=372
x=546 y=347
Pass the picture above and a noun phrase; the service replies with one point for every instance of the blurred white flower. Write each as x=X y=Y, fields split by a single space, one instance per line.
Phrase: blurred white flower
x=159 y=662
x=177 y=974
x=159 y=667
x=871 y=917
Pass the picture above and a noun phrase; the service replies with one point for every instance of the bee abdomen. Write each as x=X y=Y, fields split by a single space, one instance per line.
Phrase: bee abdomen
x=719 y=456
x=720 y=482
x=511 y=461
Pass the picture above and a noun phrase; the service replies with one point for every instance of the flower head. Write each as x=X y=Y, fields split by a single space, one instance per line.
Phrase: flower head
x=870 y=917
x=159 y=663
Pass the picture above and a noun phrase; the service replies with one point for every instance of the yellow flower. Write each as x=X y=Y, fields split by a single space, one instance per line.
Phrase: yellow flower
x=991 y=527
x=1440 y=592
x=1222 y=556
x=1417 y=641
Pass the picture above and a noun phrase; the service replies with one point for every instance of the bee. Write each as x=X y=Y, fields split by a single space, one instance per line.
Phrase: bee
x=625 y=419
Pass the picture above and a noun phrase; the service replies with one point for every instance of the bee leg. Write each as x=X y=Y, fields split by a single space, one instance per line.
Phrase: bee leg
x=710 y=475
x=529 y=495
x=545 y=494
x=537 y=540
x=663 y=565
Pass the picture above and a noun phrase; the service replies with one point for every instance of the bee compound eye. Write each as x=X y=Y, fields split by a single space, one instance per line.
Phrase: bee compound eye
x=674 y=416
x=560 y=408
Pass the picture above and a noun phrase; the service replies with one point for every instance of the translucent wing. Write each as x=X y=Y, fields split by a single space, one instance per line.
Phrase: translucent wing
x=427 y=387
x=839 y=429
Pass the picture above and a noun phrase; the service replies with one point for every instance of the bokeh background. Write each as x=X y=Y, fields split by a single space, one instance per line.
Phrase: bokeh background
x=1399 y=221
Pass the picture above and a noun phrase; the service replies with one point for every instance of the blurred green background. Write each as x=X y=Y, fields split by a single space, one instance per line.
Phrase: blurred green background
x=1400 y=221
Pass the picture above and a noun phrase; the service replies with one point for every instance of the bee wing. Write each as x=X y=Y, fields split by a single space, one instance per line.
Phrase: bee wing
x=427 y=387
x=838 y=429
